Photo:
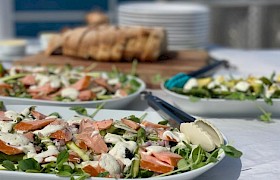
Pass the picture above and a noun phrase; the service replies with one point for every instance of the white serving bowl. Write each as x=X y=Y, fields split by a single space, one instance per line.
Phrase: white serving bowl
x=222 y=107
x=13 y=47
x=102 y=114
x=115 y=103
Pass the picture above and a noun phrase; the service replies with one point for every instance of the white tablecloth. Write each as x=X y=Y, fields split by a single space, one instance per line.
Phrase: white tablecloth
x=259 y=141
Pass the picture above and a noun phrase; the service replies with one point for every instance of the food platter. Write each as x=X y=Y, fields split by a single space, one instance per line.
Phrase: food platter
x=222 y=107
x=116 y=103
x=102 y=114
x=73 y=86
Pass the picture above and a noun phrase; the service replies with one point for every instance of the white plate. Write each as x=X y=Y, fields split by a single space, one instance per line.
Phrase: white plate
x=163 y=8
x=117 y=103
x=222 y=107
x=102 y=114
x=169 y=20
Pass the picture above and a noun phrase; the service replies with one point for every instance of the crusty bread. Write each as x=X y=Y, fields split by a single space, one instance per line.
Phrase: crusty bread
x=111 y=43
x=154 y=45
x=71 y=45
x=97 y=18
x=54 y=44
x=86 y=43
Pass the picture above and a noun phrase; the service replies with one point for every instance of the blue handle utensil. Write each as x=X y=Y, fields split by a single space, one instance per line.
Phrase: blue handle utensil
x=180 y=79
x=174 y=115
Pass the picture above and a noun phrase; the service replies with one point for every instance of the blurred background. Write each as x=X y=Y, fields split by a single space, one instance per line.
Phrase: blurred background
x=249 y=24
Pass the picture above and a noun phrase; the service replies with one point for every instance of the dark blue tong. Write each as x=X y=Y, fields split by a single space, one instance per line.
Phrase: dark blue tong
x=168 y=112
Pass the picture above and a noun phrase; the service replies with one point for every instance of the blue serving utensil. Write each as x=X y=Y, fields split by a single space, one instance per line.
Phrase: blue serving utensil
x=180 y=79
x=174 y=115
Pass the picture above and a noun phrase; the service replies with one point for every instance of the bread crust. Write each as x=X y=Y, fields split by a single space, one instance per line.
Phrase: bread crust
x=111 y=43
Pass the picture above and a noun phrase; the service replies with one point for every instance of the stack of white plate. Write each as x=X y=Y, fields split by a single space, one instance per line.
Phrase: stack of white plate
x=187 y=24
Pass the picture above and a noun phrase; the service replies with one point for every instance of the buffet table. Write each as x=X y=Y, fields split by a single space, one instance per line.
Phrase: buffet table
x=259 y=141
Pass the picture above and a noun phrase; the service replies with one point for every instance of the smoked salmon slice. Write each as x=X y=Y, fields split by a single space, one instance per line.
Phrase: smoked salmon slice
x=90 y=125
x=82 y=84
x=3 y=117
x=166 y=138
x=168 y=157
x=8 y=149
x=93 y=171
x=86 y=95
x=102 y=82
x=28 y=80
x=29 y=135
x=73 y=157
x=38 y=115
x=95 y=142
x=131 y=124
x=104 y=124
x=63 y=134
x=5 y=86
x=44 y=90
x=153 y=164
x=32 y=125
x=82 y=145
x=153 y=125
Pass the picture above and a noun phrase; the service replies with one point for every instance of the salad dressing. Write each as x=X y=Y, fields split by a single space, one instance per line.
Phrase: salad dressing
x=113 y=138
x=16 y=140
x=6 y=126
x=70 y=93
x=152 y=149
x=110 y=164
x=49 y=129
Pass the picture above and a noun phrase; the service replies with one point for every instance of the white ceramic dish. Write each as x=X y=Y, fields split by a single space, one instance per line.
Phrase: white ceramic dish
x=13 y=47
x=163 y=8
x=221 y=107
x=102 y=114
x=116 y=103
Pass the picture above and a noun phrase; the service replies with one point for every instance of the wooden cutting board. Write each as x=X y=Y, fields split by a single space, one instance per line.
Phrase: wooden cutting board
x=152 y=73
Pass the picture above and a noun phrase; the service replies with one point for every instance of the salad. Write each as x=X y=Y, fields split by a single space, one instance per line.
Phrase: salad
x=65 y=84
x=220 y=87
x=130 y=147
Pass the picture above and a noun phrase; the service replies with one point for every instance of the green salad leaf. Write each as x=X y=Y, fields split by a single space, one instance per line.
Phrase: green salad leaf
x=29 y=164
x=231 y=151
x=103 y=174
x=55 y=114
x=62 y=157
x=9 y=165
x=80 y=110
